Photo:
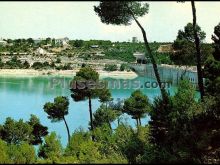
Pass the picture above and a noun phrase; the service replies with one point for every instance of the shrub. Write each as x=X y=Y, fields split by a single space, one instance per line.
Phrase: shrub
x=51 y=148
x=4 y=158
x=110 y=67
x=26 y=65
x=58 y=60
x=123 y=67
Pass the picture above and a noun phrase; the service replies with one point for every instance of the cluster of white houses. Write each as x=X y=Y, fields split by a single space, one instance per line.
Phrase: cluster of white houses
x=58 y=41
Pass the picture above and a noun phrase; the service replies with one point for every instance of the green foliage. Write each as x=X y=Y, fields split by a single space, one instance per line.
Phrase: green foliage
x=206 y=127
x=123 y=55
x=18 y=46
x=104 y=115
x=26 y=65
x=185 y=52
x=58 y=60
x=78 y=43
x=4 y=158
x=123 y=67
x=126 y=142
x=15 y=132
x=108 y=148
x=102 y=150
x=22 y=153
x=85 y=91
x=111 y=67
x=173 y=121
x=120 y=12
x=84 y=75
x=1 y=63
x=212 y=75
x=57 y=110
x=207 y=123
x=76 y=139
x=51 y=149
x=64 y=67
x=14 y=63
x=83 y=148
x=163 y=58
x=38 y=130
x=188 y=33
x=39 y=65
x=216 y=38
x=17 y=154
x=105 y=95
x=138 y=145
x=88 y=152
x=137 y=105
x=180 y=130
x=212 y=66
x=124 y=50
x=67 y=67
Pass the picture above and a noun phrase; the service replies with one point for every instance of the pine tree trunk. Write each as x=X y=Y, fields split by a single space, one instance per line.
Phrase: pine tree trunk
x=198 y=53
x=118 y=119
x=90 y=114
x=153 y=61
x=109 y=123
x=139 y=121
x=67 y=128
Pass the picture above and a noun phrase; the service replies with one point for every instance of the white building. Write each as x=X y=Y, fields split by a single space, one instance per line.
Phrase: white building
x=134 y=39
x=37 y=41
x=165 y=48
x=40 y=51
x=94 y=46
x=140 y=58
x=3 y=43
x=62 y=41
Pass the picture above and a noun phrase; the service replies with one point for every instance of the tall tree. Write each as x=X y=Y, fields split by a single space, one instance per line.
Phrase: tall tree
x=212 y=66
x=185 y=53
x=198 y=54
x=38 y=130
x=83 y=87
x=104 y=115
x=172 y=129
x=209 y=122
x=122 y=13
x=105 y=97
x=58 y=110
x=137 y=106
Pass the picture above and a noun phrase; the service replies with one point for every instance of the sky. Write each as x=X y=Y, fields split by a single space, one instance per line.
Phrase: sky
x=77 y=20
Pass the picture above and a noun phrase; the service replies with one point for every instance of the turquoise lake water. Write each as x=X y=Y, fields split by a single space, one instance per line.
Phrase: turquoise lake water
x=22 y=96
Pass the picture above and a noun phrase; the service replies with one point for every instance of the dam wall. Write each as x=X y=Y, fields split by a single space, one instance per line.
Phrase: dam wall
x=168 y=73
